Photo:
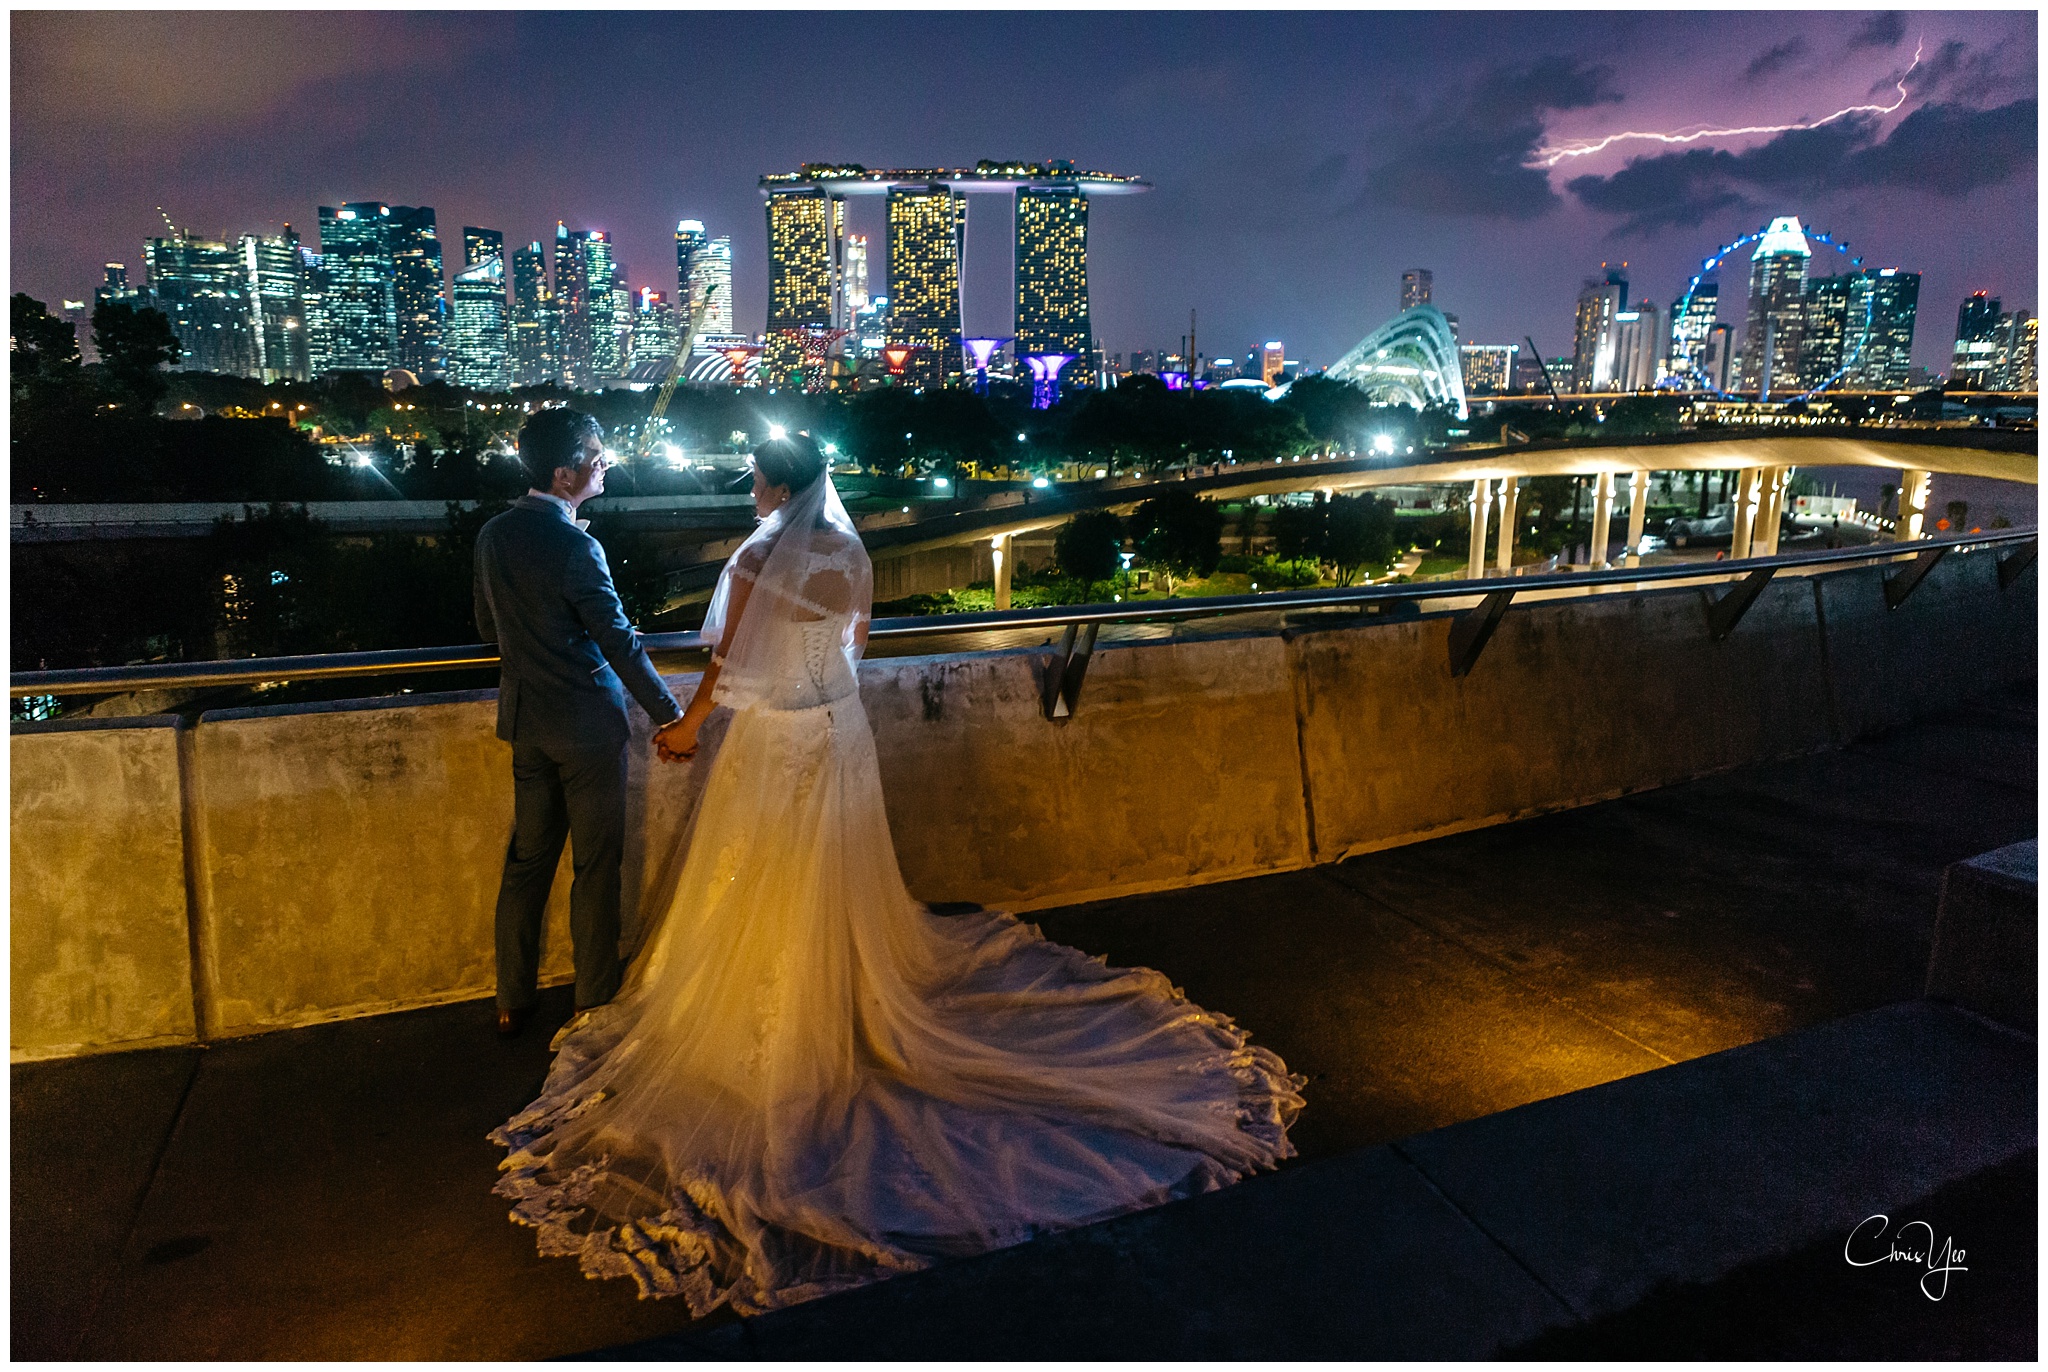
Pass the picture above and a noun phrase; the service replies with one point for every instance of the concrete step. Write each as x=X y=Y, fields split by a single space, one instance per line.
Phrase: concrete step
x=1470 y=1240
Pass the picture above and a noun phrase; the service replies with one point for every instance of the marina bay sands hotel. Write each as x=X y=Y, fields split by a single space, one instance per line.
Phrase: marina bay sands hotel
x=926 y=224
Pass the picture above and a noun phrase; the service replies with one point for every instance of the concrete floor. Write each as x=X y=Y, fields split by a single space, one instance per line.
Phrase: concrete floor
x=326 y=1192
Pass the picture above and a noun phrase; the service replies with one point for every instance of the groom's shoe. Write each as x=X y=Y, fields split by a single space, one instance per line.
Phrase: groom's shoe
x=512 y=1023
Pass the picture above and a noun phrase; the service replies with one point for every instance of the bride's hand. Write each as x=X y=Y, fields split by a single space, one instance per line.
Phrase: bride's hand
x=676 y=741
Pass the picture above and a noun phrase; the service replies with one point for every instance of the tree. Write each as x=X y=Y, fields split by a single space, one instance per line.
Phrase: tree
x=134 y=343
x=1360 y=534
x=1299 y=530
x=1179 y=533
x=1089 y=546
x=41 y=347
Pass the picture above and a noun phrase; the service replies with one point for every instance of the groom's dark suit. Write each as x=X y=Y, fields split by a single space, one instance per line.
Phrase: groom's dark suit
x=544 y=595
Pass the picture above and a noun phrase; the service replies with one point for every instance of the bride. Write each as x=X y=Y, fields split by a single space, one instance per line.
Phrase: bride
x=808 y=1081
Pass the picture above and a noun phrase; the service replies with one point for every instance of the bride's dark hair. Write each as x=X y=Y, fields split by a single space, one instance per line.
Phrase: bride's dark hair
x=795 y=461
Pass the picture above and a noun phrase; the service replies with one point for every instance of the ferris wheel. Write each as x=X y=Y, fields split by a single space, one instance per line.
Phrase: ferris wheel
x=1697 y=375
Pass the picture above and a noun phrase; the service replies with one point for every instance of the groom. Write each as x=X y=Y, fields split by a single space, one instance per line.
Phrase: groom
x=568 y=657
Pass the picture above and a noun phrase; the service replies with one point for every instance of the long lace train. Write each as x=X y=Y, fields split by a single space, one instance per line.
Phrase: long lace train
x=810 y=1082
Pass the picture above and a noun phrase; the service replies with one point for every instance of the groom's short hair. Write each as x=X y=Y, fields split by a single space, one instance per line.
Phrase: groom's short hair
x=554 y=438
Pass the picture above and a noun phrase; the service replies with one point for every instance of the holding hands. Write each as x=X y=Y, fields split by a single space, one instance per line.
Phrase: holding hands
x=676 y=741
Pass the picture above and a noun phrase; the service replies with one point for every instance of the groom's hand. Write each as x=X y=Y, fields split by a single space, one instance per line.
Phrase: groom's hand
x=676 y=741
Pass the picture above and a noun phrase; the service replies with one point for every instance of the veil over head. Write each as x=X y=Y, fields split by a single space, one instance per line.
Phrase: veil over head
x=805 y=563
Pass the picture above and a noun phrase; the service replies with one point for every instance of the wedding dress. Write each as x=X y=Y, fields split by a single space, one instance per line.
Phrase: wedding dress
x=809 y=1081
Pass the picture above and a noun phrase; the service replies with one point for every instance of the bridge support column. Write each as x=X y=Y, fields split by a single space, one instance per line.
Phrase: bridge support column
x=1748 y=485
x=1770 y=508
x=1603 y=521
x=1638 y=509
x=1475 y=559
x=1005 y=559
x=1913 y=488
x=1510 y=510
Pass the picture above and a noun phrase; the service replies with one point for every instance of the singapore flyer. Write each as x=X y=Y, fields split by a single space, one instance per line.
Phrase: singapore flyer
x=1695 y=376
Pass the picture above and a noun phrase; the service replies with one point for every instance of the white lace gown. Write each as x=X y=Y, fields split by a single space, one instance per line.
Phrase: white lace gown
x=809 y=1082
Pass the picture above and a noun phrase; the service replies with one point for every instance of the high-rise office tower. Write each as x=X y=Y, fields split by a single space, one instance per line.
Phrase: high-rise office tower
x=116 y=288
x=1975 y=357
x=855 y=293
x=535 y=345
x=588 y=314
x=691 y=242
x=361 y=294
x=277 y=306
x=203 y=289
x=806 y=228
x=612 y=346
x=1691 y=321
x=478 y=244
x=1777 y=310
x=1886 y=363
x=1830 y=327
x=319 y=325
x=1638 y=339
x=1593 y=331
x=711 y=274
x=657 y=331
x=2020 y=367
x=478 y=352
x=418 y=290
x=927 y=225
x=1052 y=278
x=480 y=341
x=1718 y=359
x=1415 y=286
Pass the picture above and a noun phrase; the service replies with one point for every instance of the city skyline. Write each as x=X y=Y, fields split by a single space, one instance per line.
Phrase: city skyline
x=1224 y=232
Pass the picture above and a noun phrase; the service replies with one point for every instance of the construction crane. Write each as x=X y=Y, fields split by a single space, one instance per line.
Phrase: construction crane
x=1541 y=368
x=675 y=367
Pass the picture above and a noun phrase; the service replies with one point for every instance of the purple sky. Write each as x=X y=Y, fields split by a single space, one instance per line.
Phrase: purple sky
x=1301 y=161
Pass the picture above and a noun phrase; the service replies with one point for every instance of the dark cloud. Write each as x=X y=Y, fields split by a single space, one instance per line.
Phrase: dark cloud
x=1946 y=150
x=1469 y=155
x=1884 y=29
x=1774 y=59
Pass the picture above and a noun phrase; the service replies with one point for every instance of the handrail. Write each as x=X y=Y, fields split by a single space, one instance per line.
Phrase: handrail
x=328 y=666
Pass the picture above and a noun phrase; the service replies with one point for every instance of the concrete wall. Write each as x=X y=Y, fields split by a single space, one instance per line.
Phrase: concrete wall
x=345 y=857
x=98 y=945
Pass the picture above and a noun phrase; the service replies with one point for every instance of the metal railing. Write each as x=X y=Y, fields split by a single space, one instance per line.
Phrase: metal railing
x=1081 y=623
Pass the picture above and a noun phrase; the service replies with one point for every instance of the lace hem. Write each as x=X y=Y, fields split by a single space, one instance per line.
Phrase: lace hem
x=691 y=1250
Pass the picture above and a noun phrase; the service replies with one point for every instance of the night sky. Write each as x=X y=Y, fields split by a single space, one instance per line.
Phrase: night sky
x=1301 y=161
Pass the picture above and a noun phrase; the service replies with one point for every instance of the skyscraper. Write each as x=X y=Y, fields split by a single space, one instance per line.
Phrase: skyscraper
x=319 y=324
x=361 y=299
x=1488 y=368
x=1638 y=339
x=657 y=331
x=480 y=344
x=1052 y=277
x=1831 y=326
x=535 y=344
x=1886 y=363
x=277 y=306
x=1976 y=349
x=202 y=287
x=1415 y=286
x=116 y=287
x=422 y=307
x=926 y=227
x=711 y=273
x=691 y=241
x=2020 y=366
x=805 y=230
x=1593 y=331
x=612 y=341
x=1718 y=358
x=1691 y=321
x=1273 y=358
x=583 y=296
x=1777 y=293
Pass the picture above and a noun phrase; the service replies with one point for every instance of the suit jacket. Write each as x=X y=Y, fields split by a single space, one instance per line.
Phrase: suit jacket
x=544 y=595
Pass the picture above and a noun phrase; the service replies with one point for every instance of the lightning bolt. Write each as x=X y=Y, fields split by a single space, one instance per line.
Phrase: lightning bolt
x=1551 y=156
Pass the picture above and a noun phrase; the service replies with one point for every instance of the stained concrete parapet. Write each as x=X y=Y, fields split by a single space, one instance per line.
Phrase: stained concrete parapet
x=1987 y=936
x=99 y=946
x=345 y=857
